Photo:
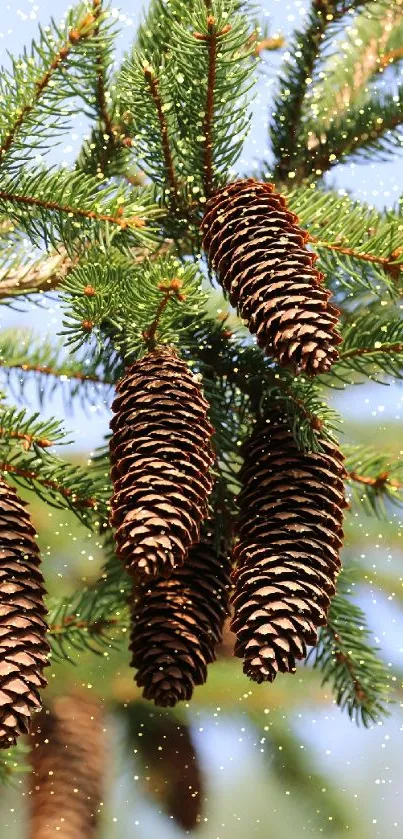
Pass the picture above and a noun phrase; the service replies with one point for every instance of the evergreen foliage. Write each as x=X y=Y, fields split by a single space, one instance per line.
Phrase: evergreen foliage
x=116 y=240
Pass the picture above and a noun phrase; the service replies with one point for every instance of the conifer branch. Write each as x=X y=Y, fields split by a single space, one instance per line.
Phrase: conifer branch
x=63 y=372
x=349 y=662
x=101 y=84
x=80 y=32
x=377 y=482
x=383 y=348
x=388 y=263
x=172 y=289
x=79 y=212
x=28 y=440
x=30 y=475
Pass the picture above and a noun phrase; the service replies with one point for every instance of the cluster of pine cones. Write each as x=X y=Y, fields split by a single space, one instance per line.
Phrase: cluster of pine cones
x=289 y=531
x=290 y=525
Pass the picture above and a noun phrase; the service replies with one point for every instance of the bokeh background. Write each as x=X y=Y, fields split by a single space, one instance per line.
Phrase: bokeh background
x=275 y=761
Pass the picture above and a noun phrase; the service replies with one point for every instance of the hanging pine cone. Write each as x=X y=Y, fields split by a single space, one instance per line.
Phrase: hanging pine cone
x=161 y=455
x=68 y=761
x=290 y=531
x=177 y=623
x=259 y=253
x=23 y=646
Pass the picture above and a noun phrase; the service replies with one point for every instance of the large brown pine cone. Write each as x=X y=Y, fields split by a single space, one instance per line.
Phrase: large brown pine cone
x=290 y=532
x=259 y=253
x=161 y=456
x=177 y=623
x=68 y=761
x=23 y=645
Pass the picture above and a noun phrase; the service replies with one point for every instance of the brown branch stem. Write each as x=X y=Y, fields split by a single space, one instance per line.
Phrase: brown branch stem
x=377 y=482
x=28 y=440
x=344 y=658
x=154 y=87
x=387 y=262
x=31 y=201
x=170 y=290
x=50 y=371
x=97 y=627
x=27 y=474
x=207 y=130
x=398 y=348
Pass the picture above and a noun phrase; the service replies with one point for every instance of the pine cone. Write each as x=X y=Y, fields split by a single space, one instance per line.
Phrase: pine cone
x=68 y=760
x=161 y=455
x=23 y=646
x=290 y=531
x=259 y=253
x=178 y=622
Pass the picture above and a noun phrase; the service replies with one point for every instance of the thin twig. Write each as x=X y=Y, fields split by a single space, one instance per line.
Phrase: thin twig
x=51 y=371
x=344 y=658
x=28 y=440
x=96 y=627
x=358 y=351
x=387 y=262
x=30 y=201
x=170 y=290
x=378 y=482
x=154 y=86
x=26 y=474
x=207 y=130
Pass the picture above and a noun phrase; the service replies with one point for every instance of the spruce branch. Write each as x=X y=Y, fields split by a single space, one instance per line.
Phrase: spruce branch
x=101 y=86
x=349 y=662
x=27 y=358
x=168 y=290
x=207 y=128
x=360 y=248
x=288 y=130
x=95 y=617
x=74 y=209
x=372 y=347
x=368 y=130
x=376 y=481
x=35 y=94
x=31 y=431
x=392 y=264
x=222 y=353
x=58 y=483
